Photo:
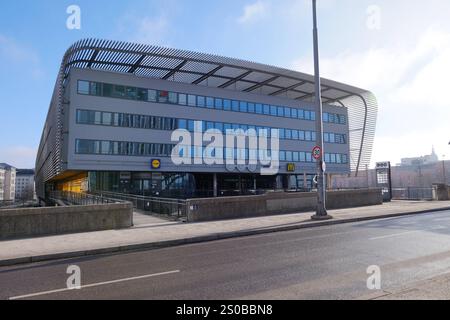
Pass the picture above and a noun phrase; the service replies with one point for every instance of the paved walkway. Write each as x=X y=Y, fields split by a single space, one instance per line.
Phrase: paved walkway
x=150 y=232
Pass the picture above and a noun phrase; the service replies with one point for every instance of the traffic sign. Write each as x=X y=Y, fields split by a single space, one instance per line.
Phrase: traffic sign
x=317 y=152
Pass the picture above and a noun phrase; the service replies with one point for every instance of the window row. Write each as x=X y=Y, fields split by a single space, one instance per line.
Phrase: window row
x=334 y=118
x=161 y=96
x=94 y=147
x=161 y=123
x=126 y=120
x=123 y=148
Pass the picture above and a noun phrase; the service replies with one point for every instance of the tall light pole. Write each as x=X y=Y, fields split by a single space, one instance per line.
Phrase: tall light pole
x=321 y=213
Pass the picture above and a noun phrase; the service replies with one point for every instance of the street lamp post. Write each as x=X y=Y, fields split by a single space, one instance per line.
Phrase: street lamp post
x=321 y=213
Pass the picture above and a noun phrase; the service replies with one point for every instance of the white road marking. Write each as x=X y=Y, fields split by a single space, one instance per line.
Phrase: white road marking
x=93 y=285
x=395 y=235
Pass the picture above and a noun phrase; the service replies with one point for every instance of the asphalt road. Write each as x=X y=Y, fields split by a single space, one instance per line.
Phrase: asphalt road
x=319 y=263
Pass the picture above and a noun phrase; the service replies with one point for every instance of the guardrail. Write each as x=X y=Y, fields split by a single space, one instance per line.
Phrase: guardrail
x=74 y=198
x=174 y=208
x=413 y=193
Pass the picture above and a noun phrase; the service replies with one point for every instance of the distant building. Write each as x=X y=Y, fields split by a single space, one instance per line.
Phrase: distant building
x=25 y=184
x=420 y=161
x=7 y=182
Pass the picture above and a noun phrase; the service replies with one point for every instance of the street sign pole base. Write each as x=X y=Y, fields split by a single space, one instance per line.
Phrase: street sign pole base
x=321 y=217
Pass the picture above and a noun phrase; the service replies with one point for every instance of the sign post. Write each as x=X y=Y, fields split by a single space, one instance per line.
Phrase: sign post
x=318 y=152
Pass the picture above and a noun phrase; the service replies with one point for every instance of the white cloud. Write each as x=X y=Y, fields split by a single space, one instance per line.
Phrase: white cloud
x=410 y=82
x=145 y=30
x=254 y=12
x=19 y=156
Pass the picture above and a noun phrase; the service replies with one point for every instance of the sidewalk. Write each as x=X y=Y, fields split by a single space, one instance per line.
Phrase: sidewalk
x=152 y=233
x=437 y=288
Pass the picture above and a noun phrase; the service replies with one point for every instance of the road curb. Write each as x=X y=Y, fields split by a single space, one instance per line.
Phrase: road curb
x=201 y=239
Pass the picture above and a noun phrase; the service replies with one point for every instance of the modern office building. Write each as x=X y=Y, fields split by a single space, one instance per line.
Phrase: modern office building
x=25 y=188
x=7 y=182
x=115 y=106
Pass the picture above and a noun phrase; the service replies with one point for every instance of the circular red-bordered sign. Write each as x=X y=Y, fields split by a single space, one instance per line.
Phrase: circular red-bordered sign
x=317 y=152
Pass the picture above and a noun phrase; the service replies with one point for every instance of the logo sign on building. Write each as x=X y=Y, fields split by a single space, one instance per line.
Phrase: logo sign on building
x=291 y=167
x=125 y=176
x=317 y=152
x=156 y=164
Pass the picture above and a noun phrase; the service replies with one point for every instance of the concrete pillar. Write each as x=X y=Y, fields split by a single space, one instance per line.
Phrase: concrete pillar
x=215 y=185
x=305 y=181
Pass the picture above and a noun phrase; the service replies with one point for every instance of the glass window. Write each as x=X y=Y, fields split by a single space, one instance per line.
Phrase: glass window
x=173 y=97
x=259 y=108
x=325 y=117
x=267 y=109
x=301 y=114
x=327 y=157
x=338 y=159
x=295 y=134
x=294 y=113
x=191 y=125
x=243 y=106
x=333 y=158
x=331 y=118
x=282 y=156
x=282 y=133
x=251 y=107
x=163 y=96
x=307 y=115
x=287 y=112
x=289 y=156
x=302 y=156
x=296 y=157
x=273 y=111
x=98 y=117
x=218 y=104
x=209 y=125
x=131 y=93
x=210 y=103
x=308 y=136
x=227 y=105
x=107 y=118
x=119 y=91
x=182 y=99
x=313 y=136
x=235 y=105
x=313 y=115
x=95 y=89
x=326 y=137
x=82 y=116
x=142 y=94
x=288 y=134
x=280 y=111
x=192 y=100
x=344 y=158
x=152 y=95
x=219 y=126
x=301 y=135
x=105 y=147
x=332 y=138
x=309 y=157
x=83 y=87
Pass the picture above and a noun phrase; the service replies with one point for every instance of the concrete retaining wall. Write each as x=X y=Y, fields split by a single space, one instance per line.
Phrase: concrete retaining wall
x=277 y=203
x=32 y=222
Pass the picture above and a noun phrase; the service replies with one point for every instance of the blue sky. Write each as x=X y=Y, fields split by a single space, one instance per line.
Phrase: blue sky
x=403 y=59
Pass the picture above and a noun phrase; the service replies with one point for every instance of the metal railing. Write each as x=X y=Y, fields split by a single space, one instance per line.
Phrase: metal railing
x=74 y=198
x=174 y=208
x=413 y=193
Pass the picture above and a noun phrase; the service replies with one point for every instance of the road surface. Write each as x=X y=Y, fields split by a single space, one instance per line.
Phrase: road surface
x=318 y=263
